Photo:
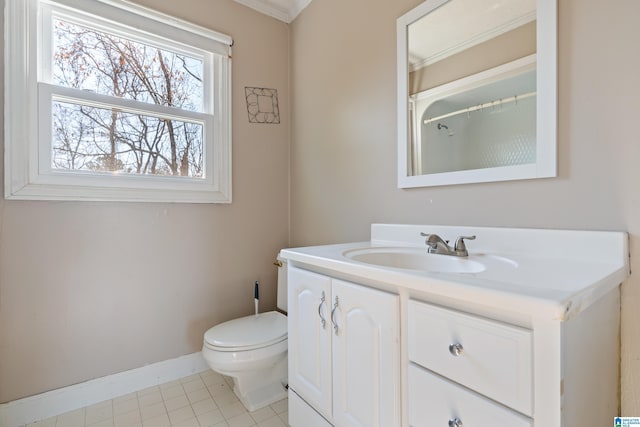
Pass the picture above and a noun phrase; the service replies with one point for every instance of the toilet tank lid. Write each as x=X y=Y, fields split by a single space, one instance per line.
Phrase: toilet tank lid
x=265 y=328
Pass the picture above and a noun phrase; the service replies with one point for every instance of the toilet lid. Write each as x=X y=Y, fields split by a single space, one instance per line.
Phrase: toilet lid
x=248 y=332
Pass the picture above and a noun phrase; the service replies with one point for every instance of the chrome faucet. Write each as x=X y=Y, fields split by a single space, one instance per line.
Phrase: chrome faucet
x=438 y=246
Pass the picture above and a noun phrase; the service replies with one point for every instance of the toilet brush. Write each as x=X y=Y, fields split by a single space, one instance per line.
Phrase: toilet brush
x=256 y=295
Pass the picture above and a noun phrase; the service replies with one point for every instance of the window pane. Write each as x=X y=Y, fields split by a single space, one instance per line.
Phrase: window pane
x=92 y=60
x=94 y=139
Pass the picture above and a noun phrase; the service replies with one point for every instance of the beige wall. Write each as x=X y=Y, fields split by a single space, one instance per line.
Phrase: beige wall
x=90 y=289
x=343 y=154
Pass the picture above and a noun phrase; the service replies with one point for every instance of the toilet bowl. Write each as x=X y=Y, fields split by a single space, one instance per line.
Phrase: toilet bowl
x=252 y=350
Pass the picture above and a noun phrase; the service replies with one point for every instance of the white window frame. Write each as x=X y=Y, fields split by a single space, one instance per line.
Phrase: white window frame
x=28 y=96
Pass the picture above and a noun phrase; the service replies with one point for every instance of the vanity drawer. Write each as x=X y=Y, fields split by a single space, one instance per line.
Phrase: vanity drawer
x=490 y=357
x=434 y=401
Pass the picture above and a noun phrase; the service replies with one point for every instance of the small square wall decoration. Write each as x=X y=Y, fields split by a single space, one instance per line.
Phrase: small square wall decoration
x=262 y=105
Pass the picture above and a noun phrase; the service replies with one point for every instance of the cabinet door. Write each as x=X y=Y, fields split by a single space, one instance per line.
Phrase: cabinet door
x=303 y=415
x=310 y=338
x=366 y=357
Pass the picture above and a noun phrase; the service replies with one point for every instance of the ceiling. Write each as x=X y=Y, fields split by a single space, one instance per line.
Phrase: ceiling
x=461 y=24
x=284 y=10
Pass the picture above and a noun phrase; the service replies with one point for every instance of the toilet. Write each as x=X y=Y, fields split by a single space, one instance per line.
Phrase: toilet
x=253 y=351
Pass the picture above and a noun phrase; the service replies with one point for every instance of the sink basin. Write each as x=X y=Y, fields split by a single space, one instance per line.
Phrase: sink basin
x=414 y=259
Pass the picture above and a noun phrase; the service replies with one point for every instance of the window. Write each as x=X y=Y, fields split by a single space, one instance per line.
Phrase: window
x=105 y=100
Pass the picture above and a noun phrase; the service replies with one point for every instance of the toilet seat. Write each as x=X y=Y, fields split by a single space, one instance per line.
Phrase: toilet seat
x=247 y=333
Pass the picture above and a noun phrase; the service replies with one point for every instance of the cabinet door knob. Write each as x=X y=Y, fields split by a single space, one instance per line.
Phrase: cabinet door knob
x=333 y=320
x=456 y=350
x=323 y=321
x=455 y=422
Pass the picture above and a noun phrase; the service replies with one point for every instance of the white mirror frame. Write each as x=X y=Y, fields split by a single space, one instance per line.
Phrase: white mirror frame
x=546 y=107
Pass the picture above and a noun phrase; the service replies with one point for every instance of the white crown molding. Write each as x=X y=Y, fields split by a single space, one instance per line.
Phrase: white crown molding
x=298 y=7
x=283 y=10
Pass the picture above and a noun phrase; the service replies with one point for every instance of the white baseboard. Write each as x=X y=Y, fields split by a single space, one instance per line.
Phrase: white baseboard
x=56 y=402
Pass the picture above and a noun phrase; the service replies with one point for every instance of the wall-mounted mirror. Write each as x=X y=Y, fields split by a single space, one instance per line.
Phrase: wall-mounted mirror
x=476 y=91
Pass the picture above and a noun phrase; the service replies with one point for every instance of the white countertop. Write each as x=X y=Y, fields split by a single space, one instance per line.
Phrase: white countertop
x=552 y=274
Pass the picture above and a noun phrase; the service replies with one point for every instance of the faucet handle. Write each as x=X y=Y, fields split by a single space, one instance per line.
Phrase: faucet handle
x=433 y=240
x=460 y=246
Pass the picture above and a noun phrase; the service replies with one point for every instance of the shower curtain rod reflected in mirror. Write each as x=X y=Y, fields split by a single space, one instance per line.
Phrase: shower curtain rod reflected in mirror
x=490 y=104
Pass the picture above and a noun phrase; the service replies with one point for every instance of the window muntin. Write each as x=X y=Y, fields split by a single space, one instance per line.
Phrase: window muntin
x=110 y=133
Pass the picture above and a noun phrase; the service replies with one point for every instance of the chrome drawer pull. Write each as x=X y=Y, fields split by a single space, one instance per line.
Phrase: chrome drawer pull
x=333 y=321
x=455 y=422
x=323 y=321
x=455 y=350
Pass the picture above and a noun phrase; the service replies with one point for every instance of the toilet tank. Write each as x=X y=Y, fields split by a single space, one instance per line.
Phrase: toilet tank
x=282 y=284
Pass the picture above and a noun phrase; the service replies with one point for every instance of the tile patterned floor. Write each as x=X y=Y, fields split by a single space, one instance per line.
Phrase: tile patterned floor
x=201 y=400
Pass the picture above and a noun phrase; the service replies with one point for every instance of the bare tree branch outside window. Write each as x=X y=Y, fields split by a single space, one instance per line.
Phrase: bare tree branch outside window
x=91 y=138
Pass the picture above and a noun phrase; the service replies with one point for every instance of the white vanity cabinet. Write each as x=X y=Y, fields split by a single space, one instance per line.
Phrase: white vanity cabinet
x=344 y=353
x=520 y=333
